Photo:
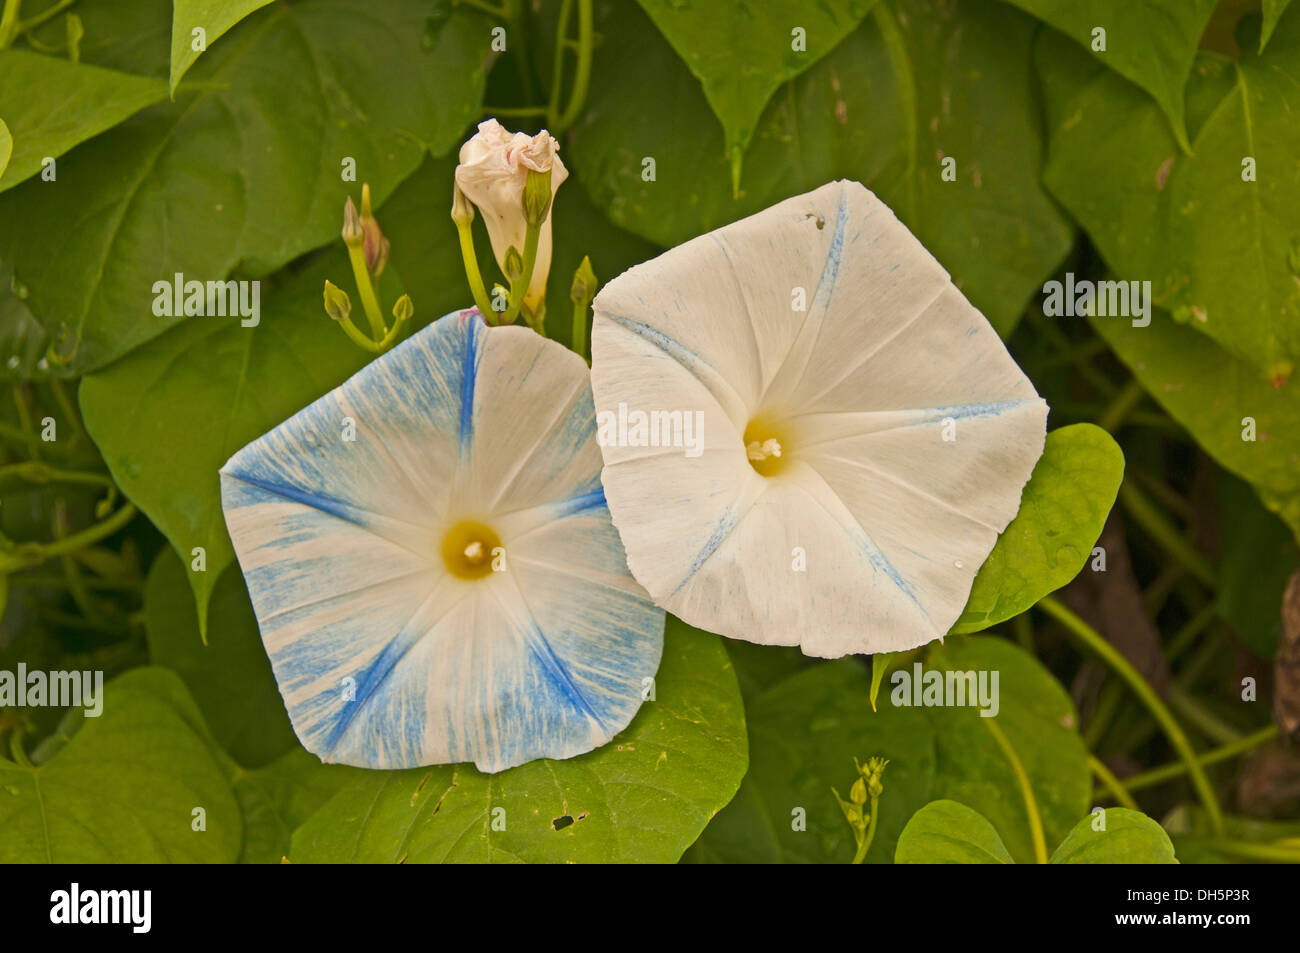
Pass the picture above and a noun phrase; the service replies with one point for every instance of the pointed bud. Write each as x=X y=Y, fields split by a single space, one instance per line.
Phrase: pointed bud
x=404 y=310
x=537 y=197
x=352 y=231
x=858 y=793
x=462 y=209
x=337 y=303
x=584 y=284
x=514 y=264
x=875 y=769
x=374 y=242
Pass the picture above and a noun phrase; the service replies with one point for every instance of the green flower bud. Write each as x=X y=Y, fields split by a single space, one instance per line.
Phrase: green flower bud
x=537 y=197
x=514 y=264
x=374 y=243
x=337 y=303
x=404 y=309
x=462 y=209
x=353 y=234
x=584 y=284
x=858 y=793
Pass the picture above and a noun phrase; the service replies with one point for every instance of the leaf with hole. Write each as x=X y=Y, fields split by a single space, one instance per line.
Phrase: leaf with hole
x=644 y=797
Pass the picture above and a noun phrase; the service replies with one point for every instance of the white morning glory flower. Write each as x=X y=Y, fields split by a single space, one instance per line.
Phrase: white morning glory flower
x=810 y=436
x=445 y=586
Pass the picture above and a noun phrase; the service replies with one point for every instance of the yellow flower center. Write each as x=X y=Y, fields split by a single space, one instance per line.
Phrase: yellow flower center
x=468 y=549
x=767 y=444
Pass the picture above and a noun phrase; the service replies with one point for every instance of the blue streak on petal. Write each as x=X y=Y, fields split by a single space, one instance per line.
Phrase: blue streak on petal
x=467 y=385
x=716 y=538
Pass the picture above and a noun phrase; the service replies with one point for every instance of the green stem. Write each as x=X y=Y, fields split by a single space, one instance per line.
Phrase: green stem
x=39 y=18
x=519 y=287
x=1155 y=524
x=74 y=418
x=493 y=11
x=865 y=846
x=27 y=555
x=356 y=337
x=1121 y=666
x=516 y=111
x=1103 y=714
x=580 y=330
x=16 y=749
x=1194 y=626
x=1112 y=784
x=22 y=402
x=1026 y=790
x=1169 y=772
x=1200 y=717
x=33 y=471
x=1129 y=396
x=472 y=272
x=369 y=303
x=1024 y=632
x=581 y=77
x=9 y=23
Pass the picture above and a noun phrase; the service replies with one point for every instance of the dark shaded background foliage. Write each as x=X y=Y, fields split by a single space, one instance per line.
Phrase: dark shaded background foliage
x=1123 y=163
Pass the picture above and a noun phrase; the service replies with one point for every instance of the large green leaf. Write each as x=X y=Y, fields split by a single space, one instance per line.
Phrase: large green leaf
x=213 y=17
x=1258 y=556
x=227 y=176
x=946 y=832
x=742 y=51
x=23 y=341
x=1212 y=394
x=1129 y=837
x=1221 y=253
x=1273 y=10
x=51 y=105
x=643 y=797
x=806 y=730
x=238 y=382
x=1152 y=43
x=276 y=799
x=917 y=82
x=230 y=676
x=124 y=788
x=1061 y=515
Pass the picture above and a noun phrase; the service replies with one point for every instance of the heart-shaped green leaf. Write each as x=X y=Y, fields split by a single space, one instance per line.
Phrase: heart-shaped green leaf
x=230 y=676
x=1152 y=43
x=741 y=54
x=126 y=788
x=240 y=381
x=228 y=176
x=645 y=796
x=198 y=23
x=277 y=799
x=946 y=832
x=1062 y=512
x=1116 y=836
x=1236 y=417
x=806 y=730
x=1213 y=231
x=922 y=87
x=52 y=105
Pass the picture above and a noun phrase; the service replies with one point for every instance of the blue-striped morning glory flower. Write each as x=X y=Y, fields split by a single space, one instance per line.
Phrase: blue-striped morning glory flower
x=810 y=436
x=432 y=563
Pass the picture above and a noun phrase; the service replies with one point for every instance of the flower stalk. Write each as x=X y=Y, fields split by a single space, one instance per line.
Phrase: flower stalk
x=860 y=810
x=368 y=254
